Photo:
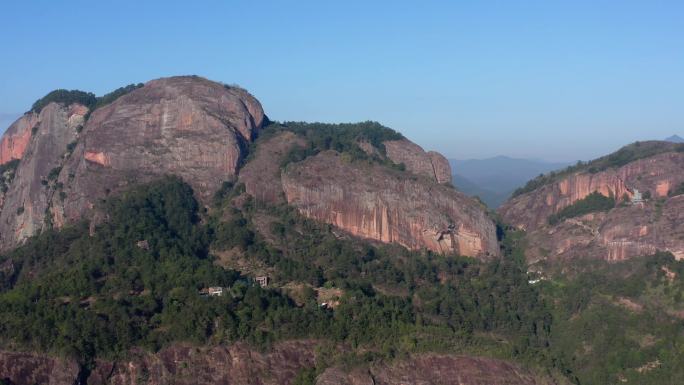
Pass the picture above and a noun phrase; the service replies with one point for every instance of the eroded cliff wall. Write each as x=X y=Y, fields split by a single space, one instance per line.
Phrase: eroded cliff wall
x=626 y=231
x=374 y=202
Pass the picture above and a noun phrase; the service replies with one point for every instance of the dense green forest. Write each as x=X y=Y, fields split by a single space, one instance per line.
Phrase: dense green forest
x=617 y=322
x=627 y=154
x=88 y=296
x=344 y=138
x=594 y=202
x=96 y=296
x=87 y=99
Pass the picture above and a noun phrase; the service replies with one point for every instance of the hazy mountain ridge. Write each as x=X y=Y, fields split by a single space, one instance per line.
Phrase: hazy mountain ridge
x=494 y=179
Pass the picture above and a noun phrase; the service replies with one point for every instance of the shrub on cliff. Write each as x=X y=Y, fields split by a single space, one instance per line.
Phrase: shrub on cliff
x=344 y=138
x=88 y=99
x=593 y=202
x=619 y=158
x=65 y=97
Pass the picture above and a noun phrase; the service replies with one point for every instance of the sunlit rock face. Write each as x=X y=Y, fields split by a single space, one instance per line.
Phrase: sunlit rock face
x=201 y=131
x=432 y=165
x=627 y=231
x=15 y=140
x=435 y=369
x=26 y=207
x=238 y=364
x=187 y=126
x=374 y=202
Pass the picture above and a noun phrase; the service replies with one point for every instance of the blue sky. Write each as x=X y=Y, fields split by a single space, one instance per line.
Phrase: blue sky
x=556 y=80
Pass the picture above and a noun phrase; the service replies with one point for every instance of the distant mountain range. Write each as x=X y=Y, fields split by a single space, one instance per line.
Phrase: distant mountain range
x=675 y=139
x=494 y=179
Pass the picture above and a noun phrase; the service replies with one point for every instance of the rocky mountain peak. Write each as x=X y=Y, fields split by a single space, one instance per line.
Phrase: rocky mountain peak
x=187 y=126
x=73 y=158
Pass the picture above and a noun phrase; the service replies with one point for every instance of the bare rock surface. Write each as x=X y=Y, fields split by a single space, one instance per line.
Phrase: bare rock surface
x=429 y=164
x=435 y=369
x=239 y=364
x=26 y=208
x=371 y=201
x=15 y=140
x=261 y=175
x=187 y=126
x=624 y=232
x=30 y=369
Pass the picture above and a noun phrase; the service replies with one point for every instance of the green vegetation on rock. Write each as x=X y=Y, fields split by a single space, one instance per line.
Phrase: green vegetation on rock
x=679 y=190
x=88 y=99
x=594 y=202
x=616 y=322
x=136 y=282
x=619 y=158
x=344 y=138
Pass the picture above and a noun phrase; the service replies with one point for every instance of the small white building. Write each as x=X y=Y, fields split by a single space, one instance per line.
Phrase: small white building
x=262 y=280
x=214 y=291
x=637 y=198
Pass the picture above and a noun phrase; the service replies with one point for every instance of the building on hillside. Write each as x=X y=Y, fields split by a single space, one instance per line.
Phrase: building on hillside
x=637 y=198
x=214 y=291
x=262 y=280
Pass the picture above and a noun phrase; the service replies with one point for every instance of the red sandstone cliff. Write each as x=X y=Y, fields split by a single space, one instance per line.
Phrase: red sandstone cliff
x=429 y=164
x=618 y=234
x=435 y=369
x=15 y=140
x=375 y=202
x=240 y=365
x=26 y=204
x=371 y=201
x=188 y=126
x=201 y=131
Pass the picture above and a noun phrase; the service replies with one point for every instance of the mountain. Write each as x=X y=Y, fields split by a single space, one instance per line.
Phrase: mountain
x=201 y=131
x=119 y=213
x=169 y=232
x=565 y=218
x=494 y=179
x=675 y=139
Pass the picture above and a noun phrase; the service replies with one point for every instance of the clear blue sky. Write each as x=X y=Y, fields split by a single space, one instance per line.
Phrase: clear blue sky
x=558 y=80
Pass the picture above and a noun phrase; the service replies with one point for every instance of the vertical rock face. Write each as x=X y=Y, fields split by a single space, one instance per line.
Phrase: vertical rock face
x=239 y=365
x=623 y=232
x=655 y=174
x=429 y=164
x=29 y=369
x=27 y=205
x=261 y=175
x=15 y=140
x=187 y=126
x=227 y=365
x=374 y=202
x=435 y=369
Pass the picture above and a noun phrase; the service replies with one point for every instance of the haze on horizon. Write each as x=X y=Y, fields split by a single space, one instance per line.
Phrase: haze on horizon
x=472 y=80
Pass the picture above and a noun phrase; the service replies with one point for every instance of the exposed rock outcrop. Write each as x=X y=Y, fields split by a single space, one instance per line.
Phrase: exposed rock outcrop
x=29 y=369
x=375 y=202
x=26 y=208
x=624 y=232
x=15 y=140
x=241 y=365
x=261 y=175
x=201 y=131
x=435 y=369
x=225 y=365
x=187 y=126
x=429 y=164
